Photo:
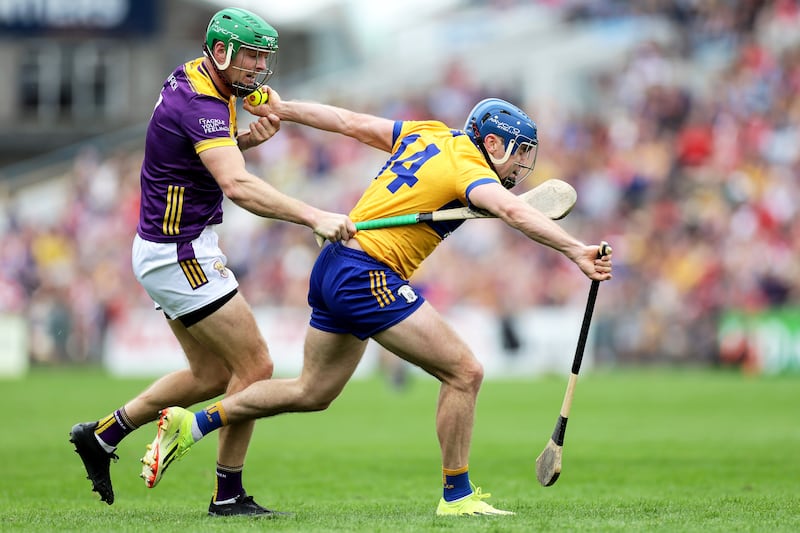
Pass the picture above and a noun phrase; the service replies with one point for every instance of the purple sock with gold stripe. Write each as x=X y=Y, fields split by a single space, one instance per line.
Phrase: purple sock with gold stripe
x=229 y=483
x=115 y=427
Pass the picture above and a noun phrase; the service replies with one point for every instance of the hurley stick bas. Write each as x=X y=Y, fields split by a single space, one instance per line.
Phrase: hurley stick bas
x=548 y=464
x=554 y=198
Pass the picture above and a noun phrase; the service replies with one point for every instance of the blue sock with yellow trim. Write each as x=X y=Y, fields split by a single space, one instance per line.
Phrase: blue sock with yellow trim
x=456 y=483
x=209 y=419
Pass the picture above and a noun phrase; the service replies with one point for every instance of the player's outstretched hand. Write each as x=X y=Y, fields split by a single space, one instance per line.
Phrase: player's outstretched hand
x=267 y=108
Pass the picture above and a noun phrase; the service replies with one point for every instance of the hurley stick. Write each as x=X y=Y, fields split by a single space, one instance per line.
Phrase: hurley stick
x=554 y=198
x=548 y=464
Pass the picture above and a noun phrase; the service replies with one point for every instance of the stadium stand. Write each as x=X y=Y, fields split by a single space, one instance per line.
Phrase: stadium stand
x=685 y=156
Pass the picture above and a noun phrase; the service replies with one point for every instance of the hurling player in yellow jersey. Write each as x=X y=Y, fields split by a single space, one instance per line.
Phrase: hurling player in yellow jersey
x=359 y=288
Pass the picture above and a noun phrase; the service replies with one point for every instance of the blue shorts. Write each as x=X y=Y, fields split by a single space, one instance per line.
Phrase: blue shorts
x=350 y=292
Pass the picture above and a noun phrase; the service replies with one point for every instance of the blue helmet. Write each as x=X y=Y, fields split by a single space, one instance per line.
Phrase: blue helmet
x=510 y=123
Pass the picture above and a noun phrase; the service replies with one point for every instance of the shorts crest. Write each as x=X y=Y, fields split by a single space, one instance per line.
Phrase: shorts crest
x=408 y=293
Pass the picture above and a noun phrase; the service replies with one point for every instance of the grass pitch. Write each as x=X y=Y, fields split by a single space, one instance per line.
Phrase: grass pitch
x=644 y=451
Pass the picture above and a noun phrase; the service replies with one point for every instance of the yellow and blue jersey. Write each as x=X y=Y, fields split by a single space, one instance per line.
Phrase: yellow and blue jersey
x=432 y=167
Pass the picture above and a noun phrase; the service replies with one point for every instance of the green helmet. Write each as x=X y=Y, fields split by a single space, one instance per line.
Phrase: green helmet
x=238 y=28
x=235 y=27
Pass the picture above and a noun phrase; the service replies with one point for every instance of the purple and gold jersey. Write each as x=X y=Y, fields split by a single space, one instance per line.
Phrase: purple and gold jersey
x=432 y=167
x=179 y=195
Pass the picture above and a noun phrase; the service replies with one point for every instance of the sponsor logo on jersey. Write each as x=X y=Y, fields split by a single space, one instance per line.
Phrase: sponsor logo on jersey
x=213 y=125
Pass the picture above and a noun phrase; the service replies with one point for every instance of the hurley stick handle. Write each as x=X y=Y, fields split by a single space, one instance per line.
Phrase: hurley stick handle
x=604 y=249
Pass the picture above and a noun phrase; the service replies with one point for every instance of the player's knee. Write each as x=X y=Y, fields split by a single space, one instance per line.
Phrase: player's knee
x=264 y=369
x=214 y=383
x=210 y=379
x=314 y=400
x=317 y=404
x=471 y=374
x=250 y=373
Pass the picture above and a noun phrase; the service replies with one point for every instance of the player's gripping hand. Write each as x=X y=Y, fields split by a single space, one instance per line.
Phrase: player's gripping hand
x=263 y=129
x=334 y=227
x=596 y=268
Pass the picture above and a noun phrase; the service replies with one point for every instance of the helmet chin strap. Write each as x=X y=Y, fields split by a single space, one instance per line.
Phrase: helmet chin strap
x=506 y=156
x=220 y=70
x=507 y=182
x=479 y=139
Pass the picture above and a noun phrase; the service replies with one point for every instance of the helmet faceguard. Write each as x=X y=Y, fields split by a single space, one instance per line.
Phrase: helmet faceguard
x=242 y=31
x=518 y=131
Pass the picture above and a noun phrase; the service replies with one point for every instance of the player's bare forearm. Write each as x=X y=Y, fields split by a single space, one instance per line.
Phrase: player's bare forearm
x=538 y=227
x=244 y=141
x=368 y=129
x=261 y=198
x=252 y=193
x=320 y=116
x=266 y=201
x=518 y=214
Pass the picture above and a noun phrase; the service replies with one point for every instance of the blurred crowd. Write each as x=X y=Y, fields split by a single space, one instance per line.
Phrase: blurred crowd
x=685 y=159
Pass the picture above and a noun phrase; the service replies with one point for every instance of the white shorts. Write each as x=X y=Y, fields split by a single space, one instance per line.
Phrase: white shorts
x=183 y=277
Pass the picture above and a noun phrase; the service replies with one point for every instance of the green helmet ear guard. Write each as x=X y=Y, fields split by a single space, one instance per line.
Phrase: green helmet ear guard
x=236 y=27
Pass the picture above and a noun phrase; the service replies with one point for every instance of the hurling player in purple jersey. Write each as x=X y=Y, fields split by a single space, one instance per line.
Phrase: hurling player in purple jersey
x=360 y=289
x=193 y=160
